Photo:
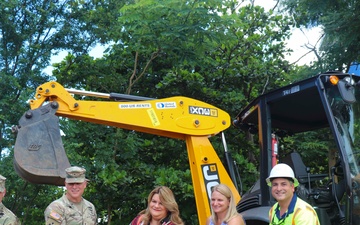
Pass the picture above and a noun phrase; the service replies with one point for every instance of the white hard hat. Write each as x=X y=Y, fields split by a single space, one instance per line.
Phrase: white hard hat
x=282 y=170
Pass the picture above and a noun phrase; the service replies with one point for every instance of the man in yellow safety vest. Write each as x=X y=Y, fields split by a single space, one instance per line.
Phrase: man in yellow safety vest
x=289 y=209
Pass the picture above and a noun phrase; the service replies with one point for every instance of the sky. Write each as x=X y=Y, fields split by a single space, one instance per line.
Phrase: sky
x=298 y=40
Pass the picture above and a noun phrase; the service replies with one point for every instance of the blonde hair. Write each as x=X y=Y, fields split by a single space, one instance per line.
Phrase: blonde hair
x=167 y=199
x=226 y=191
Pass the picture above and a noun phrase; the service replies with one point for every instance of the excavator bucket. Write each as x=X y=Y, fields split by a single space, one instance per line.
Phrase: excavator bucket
x=39 y=154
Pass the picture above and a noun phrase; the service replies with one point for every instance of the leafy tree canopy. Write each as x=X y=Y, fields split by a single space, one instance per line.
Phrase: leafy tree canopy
x=210 y=50
x=339 y=47
x=222 y=56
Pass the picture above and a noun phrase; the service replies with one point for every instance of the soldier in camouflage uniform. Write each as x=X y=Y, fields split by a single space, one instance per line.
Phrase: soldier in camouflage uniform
x=6 y=216
x=72 y=208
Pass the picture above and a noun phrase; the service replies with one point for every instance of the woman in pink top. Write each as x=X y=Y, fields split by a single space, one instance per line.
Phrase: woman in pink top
x=162 y=209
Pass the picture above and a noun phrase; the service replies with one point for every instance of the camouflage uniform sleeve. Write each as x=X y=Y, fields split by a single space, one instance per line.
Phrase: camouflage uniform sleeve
x=54 y=214
x=9 y=218
x=15 y=222
x=10 y=221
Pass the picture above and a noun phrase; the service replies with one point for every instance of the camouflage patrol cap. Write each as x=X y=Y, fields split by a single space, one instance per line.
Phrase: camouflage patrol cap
x=75 y=174
x=2 y=183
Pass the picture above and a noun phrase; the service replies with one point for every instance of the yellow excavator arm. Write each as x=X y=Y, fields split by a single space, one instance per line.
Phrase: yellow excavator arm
x=40 y=157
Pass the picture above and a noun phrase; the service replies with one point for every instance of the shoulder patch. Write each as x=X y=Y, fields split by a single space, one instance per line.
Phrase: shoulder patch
x=54 y=215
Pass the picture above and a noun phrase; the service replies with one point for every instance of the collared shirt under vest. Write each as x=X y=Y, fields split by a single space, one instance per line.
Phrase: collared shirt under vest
x=298 y=213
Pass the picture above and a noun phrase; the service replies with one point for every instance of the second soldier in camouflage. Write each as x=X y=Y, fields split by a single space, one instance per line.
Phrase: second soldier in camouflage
x=72 y=208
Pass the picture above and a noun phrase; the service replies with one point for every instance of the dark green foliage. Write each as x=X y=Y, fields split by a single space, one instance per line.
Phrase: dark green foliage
x=240 y=56
x=31 y=31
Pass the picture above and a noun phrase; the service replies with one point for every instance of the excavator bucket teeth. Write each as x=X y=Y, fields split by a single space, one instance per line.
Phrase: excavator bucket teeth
x=39 y=154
